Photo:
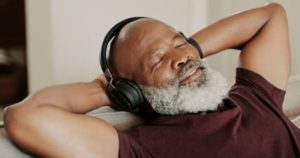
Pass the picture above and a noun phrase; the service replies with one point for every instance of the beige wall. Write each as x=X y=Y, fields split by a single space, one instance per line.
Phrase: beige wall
x=39 y=43
x=64 y=36
x=228 y=60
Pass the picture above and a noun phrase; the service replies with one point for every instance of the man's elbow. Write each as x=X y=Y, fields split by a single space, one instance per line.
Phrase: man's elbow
x=9 y=118
x=278 y=8
x=14 y=117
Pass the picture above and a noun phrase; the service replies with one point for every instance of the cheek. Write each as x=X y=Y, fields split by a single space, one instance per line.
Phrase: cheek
x=164 y=76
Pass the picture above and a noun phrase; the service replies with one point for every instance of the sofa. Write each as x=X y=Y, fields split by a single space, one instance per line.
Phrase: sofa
x=125 y=120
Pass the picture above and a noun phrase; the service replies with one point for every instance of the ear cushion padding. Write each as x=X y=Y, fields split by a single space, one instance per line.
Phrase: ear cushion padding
x=126 y=94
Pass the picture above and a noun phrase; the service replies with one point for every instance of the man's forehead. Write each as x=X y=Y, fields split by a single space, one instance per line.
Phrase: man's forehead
x=135 y=41
x=141 y=29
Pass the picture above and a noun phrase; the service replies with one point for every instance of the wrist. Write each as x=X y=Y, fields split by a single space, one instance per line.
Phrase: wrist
x=102 y=93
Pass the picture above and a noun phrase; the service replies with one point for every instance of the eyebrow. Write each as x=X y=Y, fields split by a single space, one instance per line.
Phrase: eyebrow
x=178 y=34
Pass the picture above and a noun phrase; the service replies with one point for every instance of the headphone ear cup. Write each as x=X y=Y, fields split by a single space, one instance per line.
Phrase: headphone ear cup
x=125 y=94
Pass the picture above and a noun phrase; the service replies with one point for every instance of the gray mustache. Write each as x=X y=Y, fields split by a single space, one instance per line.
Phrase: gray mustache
x=189 y=65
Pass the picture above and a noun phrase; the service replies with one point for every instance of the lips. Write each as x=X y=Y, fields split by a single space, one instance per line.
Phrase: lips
x=191 y=75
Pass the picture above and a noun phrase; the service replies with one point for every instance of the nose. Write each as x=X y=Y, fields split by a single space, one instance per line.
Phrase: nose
x=180 y=58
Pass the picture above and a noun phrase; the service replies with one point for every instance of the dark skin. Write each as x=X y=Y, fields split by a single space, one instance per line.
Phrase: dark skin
x=155 y=60
x=54 y=115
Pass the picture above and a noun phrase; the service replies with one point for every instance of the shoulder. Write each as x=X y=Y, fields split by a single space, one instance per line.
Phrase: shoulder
x=251 y=84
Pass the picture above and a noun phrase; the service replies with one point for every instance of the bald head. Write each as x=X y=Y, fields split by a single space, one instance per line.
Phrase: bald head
x=131 y=43
x=142 y=44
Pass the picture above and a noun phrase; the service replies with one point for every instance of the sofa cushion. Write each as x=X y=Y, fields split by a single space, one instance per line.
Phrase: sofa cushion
x=121 y=120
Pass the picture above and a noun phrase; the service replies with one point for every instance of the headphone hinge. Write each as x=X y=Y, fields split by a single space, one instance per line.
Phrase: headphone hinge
x=109 y=78
x=108 y=75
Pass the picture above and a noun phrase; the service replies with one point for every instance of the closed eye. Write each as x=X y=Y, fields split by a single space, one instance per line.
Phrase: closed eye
x=156 y=63
x=156 y=58
x=180 y=40
x=181 y=44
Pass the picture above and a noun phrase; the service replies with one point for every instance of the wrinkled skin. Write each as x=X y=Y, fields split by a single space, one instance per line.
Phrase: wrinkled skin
x=151 y=53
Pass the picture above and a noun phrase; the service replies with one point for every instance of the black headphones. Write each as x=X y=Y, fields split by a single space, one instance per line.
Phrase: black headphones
x=125 y=94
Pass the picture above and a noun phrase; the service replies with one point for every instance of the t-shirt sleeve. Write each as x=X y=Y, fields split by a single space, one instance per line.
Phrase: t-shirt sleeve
x=260 y=85
x=129 y=147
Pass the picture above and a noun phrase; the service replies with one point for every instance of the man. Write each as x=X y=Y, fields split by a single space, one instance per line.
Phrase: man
x=247 y=123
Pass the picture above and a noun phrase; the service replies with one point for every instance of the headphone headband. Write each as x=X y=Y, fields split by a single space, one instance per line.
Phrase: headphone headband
x=109 y=36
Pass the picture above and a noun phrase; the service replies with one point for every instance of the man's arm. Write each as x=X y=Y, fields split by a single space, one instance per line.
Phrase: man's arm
x=262 y=36
x=50 y=123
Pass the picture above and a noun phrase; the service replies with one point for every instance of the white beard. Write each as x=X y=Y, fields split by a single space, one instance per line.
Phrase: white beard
x=201 y=96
